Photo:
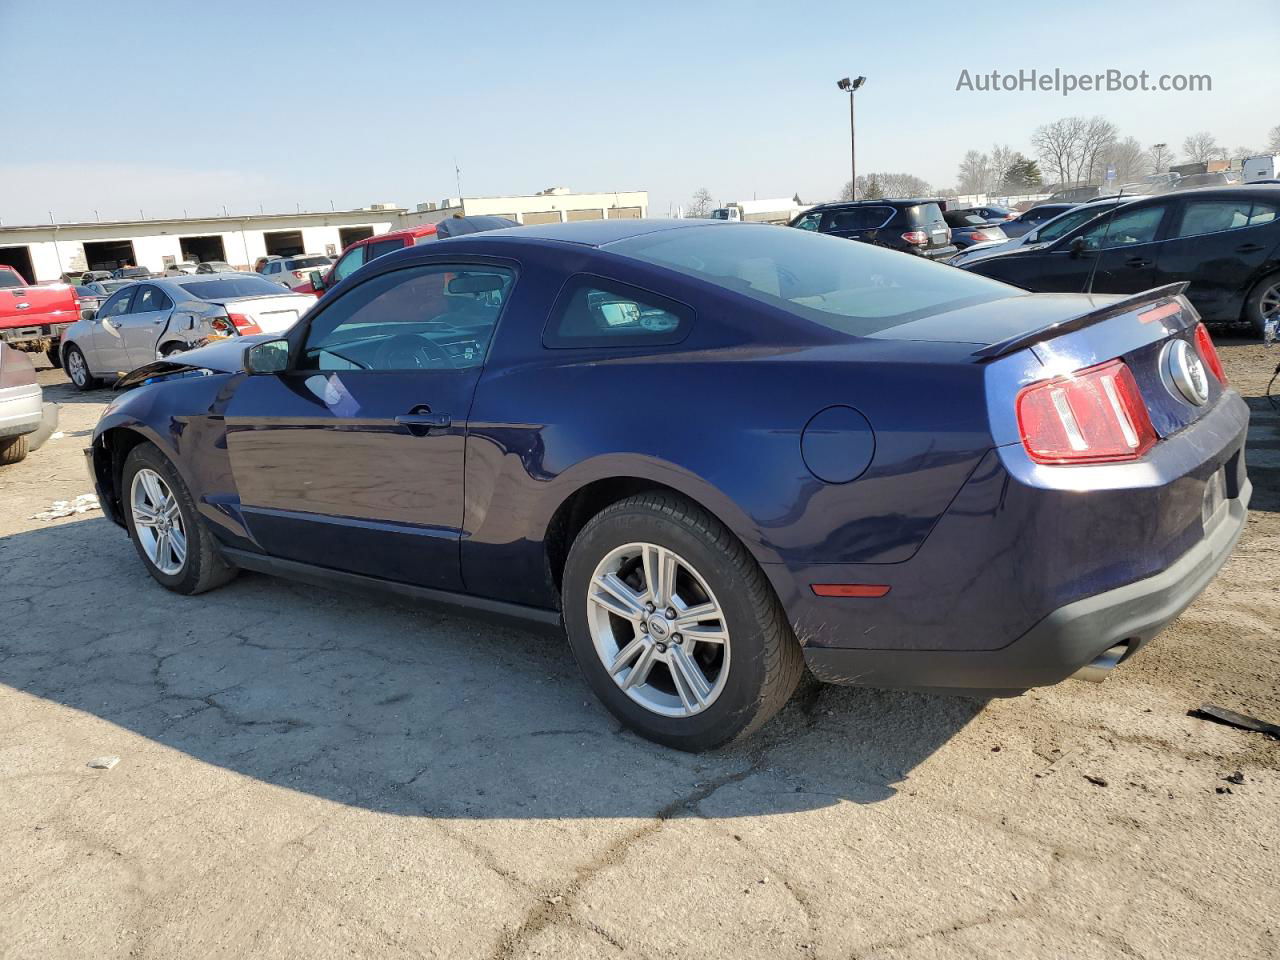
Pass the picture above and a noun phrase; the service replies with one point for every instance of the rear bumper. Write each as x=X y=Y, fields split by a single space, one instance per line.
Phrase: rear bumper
x=20 y=410
x=40 y=330
x=1065 y=640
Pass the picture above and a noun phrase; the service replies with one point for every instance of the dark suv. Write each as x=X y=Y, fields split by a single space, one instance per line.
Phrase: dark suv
x=912 y=226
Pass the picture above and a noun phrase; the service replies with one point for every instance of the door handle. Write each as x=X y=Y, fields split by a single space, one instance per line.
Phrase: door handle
x=421 y=424
x=1249 y=248
x=1137 y=262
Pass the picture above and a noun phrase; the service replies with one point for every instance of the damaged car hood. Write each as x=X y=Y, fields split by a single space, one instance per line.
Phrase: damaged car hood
x=224 y=356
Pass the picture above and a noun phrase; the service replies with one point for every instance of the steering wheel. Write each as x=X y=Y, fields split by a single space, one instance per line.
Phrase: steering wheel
x=405 y=351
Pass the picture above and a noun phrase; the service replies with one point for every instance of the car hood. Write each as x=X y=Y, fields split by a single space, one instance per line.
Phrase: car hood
x=223 y=356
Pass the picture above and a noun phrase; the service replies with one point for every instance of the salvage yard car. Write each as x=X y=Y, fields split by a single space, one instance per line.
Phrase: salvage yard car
x=33 y=316
x=912 y=226
x=1225 y=243
x=713 y=452
x=160 y=317
x=26 y=420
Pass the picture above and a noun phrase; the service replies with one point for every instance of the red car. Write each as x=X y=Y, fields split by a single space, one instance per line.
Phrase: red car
x=362 y=251
x=32 y=317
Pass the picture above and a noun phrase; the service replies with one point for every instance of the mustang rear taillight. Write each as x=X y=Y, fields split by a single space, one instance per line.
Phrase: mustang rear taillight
x=1209 y=353
x=245 y=326
x=1096 y=415
x=917 y=237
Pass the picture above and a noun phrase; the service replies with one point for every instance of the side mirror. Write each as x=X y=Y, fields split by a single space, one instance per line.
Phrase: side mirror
x=317 y=281
x=1076 y=247
x=89 y=313
x=270 y=356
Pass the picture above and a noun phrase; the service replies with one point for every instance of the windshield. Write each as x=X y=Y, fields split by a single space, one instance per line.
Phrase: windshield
x=299 y=263
x=224 y=288
x=855 y=288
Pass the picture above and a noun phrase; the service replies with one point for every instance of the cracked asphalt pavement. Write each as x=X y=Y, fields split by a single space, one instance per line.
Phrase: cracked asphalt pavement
x=311 y=774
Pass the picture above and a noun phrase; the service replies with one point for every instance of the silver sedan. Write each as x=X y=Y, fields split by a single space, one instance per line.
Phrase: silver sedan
x=162 y=316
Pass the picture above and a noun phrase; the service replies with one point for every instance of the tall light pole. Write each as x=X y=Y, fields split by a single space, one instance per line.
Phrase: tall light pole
x=851 y=86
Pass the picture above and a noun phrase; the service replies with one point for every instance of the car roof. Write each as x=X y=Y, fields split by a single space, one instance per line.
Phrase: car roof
x=594 y=233
x=892 y=201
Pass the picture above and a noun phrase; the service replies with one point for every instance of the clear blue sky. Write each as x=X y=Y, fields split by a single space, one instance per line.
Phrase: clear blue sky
x=172 y=106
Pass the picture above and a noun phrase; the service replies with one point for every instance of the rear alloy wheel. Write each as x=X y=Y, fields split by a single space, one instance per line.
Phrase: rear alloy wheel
x=674 y=625
x=174 y=545
x=1263 y=305
x=78 y=370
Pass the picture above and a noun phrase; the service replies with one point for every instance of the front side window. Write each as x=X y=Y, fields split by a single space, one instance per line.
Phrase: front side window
x=1067 y=222
x=351 y=261
x=118 y=305
x=1125 y=228
x=383 y=247
x=854 y=288
x=596 y=312
x=809 y=221
x=1212 y=216
x=433 y=317
x=1262 y=213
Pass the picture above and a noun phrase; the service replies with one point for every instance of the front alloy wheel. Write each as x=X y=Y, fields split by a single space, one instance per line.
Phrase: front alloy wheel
x=658 y=629
x=158 y=522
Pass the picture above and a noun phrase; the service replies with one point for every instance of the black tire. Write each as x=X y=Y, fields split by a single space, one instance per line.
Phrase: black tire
x=171 y=349
x=13 y=450
x=204 y=567
x=54 y=357
x=766 y=662
x=87 y=380
x=1253 y=314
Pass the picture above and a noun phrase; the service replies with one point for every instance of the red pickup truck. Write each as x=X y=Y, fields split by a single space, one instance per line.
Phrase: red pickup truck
x=32 y=316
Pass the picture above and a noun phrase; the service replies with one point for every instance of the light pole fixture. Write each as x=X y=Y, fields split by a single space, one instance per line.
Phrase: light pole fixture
x=851 y=86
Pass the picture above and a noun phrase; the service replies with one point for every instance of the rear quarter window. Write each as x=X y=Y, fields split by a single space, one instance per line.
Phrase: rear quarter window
x=925 y=214
x=595 y=311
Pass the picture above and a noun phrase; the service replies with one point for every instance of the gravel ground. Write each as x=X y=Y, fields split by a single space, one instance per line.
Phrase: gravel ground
x=313 y=775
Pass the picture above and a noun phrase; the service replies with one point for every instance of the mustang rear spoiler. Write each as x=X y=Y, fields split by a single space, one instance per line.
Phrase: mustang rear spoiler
x=1017 y=342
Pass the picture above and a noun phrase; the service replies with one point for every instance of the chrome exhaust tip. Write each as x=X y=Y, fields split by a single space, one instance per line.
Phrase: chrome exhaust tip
x=1096 y=670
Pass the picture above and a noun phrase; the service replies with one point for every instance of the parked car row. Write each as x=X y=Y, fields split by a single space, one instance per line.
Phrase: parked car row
x=1223 y=242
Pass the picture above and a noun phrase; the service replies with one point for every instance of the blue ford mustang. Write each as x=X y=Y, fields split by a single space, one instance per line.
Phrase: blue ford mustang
x=714 y=453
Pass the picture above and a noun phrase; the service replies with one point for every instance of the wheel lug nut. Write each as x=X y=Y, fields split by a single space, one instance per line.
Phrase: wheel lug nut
x=650 y=607
x=671 y=613
x=677 y=639
x=662 y=648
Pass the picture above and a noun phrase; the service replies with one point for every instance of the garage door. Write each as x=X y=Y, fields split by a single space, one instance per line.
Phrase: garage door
x=624 y=213
x=585 y=214
x=546 y=216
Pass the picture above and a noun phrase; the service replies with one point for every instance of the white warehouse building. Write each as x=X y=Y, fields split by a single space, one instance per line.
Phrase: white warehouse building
x=46 y=252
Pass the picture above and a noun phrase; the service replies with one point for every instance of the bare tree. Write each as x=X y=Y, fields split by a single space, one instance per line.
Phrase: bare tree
x=1001 y=161
x=874 y=186
x=973 y=172
x=1127 y=157
x=701 y=204
x=1201 y=147
x=1273 y=139
x=1096 y=139
x=1058 y=146
x=1159 y=157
